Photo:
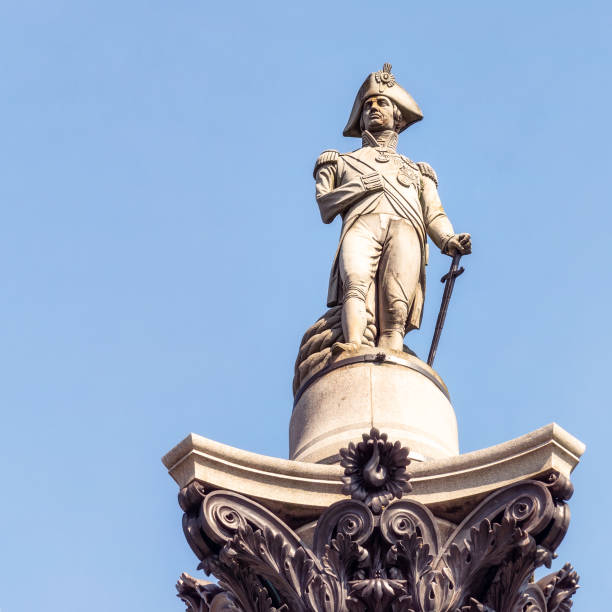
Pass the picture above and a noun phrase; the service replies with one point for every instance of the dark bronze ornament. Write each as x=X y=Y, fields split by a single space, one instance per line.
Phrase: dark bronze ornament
x=375 y=470
x=201 y=595
x=372 y=554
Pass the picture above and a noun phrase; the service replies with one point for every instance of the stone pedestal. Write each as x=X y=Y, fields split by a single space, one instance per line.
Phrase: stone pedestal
x=395 y=392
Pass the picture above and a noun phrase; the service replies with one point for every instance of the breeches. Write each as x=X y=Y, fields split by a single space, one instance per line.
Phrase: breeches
x=386 y=249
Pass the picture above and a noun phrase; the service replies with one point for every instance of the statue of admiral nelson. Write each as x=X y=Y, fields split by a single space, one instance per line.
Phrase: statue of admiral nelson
x=388 y=205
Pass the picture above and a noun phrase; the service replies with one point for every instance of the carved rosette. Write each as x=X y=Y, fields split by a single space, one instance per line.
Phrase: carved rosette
x=375 y=470
x=370 y=553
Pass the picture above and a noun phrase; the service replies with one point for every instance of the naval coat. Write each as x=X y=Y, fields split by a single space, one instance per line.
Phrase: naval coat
x=349 y=185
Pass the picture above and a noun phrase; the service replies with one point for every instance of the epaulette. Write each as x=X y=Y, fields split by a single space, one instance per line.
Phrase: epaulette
x=428 y=171
x=327 y=157
x=408 y=161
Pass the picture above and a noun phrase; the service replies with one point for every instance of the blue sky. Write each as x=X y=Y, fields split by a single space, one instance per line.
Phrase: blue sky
x=162 y=252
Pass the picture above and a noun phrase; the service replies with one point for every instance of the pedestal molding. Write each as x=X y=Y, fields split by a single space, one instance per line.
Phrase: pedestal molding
x=379 y=358
x=449 y=486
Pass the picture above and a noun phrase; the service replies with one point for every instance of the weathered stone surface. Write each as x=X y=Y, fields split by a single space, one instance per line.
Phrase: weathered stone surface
x=298 y=492
x=394 y=392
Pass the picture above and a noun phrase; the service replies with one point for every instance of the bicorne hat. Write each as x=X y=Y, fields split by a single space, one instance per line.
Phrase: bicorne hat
x=382 y=83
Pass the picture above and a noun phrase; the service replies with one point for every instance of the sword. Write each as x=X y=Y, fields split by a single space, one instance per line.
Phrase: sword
x=449 y=279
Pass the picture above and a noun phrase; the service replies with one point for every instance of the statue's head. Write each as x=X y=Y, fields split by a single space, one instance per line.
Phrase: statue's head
x=381 y=98
x=380 y=113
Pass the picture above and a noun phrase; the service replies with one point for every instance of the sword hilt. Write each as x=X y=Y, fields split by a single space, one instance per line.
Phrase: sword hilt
x=452 y=274
x=454 y=271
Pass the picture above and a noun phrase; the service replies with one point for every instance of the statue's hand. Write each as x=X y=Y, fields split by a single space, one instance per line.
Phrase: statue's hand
x=459 y=243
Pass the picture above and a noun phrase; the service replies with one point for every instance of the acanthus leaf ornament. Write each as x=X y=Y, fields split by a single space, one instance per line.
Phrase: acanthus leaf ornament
x=201 y=595
x=377 y=552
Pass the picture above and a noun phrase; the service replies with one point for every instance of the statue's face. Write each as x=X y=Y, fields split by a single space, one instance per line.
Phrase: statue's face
x=377 y=114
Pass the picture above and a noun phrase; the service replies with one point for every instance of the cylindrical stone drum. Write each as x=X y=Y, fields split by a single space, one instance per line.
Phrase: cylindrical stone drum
x=400 y=396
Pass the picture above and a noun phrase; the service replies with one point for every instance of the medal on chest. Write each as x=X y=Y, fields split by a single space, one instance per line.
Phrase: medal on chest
x=382 y=155
x=407 y=176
